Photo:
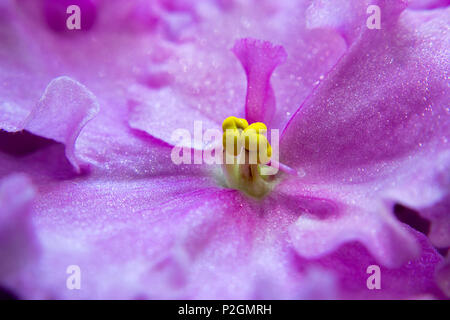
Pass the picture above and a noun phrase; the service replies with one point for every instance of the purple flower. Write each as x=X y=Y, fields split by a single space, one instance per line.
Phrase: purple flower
x=86 y=177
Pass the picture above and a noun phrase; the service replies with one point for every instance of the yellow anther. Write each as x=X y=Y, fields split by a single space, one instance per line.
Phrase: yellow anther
x=259 y=127
x=232 y=141
x=232 y=132
x=254 y=136
x=248 y=149
x=237 y=131
x=234 y=123
x=257 y=143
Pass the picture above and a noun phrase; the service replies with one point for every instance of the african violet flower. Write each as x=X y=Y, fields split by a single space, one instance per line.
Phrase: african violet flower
x=87 y=178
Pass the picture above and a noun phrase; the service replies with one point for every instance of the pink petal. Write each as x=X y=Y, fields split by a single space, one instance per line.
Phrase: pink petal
x=348 y=17
x=17 y=239
x=61 y=114
x=413 y=280
x=386 y=240
x=378 y=123
x=427 y=4
x=208 y=81
x=443 y=276
x=259 y=59
x=174 y=236
x=164 y=104
x=170 y=231
x=328 y=223
x=171 y=243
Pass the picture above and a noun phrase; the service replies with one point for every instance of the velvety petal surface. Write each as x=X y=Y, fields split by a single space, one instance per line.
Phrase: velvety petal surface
x=377 y=127
x=204 y=77
x=17 y=236
x=259 y=59
x=174 y=49
x=182 y=237
x=172 y=231
x=443 y=276
x=62 y=112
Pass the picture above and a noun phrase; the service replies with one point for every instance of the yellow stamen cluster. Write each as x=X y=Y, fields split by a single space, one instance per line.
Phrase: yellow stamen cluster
x=251 y=137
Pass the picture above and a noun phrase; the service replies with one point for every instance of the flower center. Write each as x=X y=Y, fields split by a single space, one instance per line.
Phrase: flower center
x=246 y=151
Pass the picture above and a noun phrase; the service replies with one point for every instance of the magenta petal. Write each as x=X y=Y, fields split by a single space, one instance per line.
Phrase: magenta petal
x=379 y=121
x=106 y=226
x=17 y=239
x=259 y=59
x=348 y=17
x=413 y=280
x=349 y=124
x=157 y=106
x=205 y=82
x=141 y=227
x=427 y=4
x=443 y=276
x=383 y=236
x=427 y=194
x=62 y=112
x=175 y=236
x=173 y=49
x=439 y=215
x=332 y=216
